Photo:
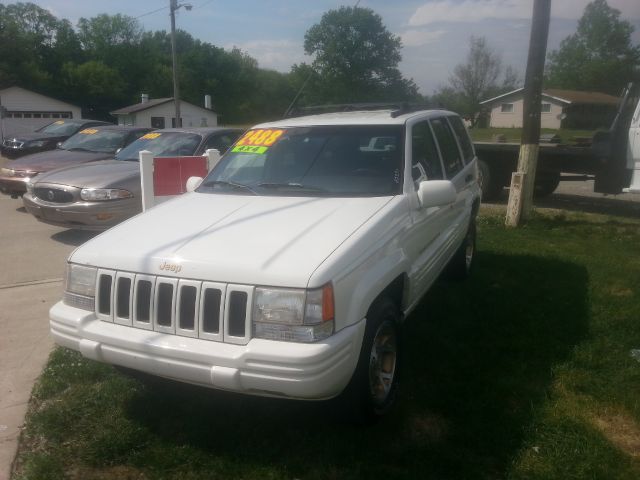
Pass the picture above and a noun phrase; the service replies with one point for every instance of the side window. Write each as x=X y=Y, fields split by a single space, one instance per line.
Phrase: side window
x=425 y=162
x=463 y=138
x=448 y=147
x=219 y=142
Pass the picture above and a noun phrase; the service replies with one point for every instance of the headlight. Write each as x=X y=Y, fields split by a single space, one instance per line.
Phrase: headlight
x=37 y=143
x=80 y=286
x=293 y=315
x=8 y=171
x=100 y=194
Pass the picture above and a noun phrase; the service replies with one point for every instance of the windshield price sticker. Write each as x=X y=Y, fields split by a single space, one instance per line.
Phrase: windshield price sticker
x=257 y=141
x=249 y=149
x=151 y=136
x=89 y=131
x=59 y=122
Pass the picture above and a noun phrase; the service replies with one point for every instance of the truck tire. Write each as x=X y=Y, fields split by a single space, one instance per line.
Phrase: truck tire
x=374 y=384
x=546 y=184
x=489 y=182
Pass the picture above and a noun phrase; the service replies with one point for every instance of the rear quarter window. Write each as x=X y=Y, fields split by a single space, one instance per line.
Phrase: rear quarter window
x=448 y=147
x=463 y=138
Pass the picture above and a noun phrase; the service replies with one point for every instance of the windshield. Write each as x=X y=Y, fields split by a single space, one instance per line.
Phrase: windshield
x=60 y=127
x=162 y=144
x=312 y=161
x=94 y=140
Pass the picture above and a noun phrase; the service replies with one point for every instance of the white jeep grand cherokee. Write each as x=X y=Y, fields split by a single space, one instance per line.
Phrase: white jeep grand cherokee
x=287 y=271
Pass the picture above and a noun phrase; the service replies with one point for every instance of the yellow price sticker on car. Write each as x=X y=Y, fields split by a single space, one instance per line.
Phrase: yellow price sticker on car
x=151 y=136
x=258 y=140
x=89 y=131
x=59 y=122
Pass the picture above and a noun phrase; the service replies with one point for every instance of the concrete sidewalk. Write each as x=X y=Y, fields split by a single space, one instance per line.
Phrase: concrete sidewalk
x=24 y=347
x=32 y=258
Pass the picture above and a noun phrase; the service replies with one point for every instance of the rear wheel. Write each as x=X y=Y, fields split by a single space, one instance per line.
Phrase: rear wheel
x=461 y=263
x=546 y=184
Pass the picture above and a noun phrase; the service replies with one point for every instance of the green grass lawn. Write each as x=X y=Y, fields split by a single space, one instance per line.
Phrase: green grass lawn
x=514 y=134
x=522 y=372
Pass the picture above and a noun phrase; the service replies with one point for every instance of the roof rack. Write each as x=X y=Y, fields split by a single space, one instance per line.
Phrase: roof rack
x=397 y=108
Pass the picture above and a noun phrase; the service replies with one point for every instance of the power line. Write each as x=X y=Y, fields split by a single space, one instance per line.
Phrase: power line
x=152 y=11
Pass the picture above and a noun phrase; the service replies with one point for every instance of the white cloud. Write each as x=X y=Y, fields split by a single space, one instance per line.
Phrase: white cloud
x=479 y=10
x=418 y=38
x=274 y=54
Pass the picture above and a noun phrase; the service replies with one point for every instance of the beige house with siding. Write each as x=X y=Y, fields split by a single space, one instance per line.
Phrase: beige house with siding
x=26 y=111
x=160 y=113
x=559 y=109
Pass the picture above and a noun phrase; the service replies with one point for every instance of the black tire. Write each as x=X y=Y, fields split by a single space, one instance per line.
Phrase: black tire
x=490 y=184
x=461 y=263
x=373 y=388
x=546 y=184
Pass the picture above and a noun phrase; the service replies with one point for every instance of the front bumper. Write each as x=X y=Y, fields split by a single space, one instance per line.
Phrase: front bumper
x=13 y=185
x=312 y=371
x=81 y=215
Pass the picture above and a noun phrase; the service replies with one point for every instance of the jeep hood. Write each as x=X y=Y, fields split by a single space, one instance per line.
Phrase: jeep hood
x=253 y=240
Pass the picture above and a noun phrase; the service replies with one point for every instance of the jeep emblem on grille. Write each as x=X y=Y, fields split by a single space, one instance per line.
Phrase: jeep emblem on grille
x=51 y=195
x=172 y=267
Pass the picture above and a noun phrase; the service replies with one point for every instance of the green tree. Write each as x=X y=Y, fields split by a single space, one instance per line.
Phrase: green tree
x=599 y=56
x=482 y=76
x=356 y=58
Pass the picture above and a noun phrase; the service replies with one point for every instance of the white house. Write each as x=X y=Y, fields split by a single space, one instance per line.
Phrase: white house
x=559 y=109
x=27 y=111
x=160 y=113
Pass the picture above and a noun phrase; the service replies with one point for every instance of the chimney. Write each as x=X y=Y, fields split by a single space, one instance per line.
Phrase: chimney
x=144 y=98
x=207 y=102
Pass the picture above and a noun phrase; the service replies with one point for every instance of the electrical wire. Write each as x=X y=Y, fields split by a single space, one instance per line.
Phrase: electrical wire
x=152 y=11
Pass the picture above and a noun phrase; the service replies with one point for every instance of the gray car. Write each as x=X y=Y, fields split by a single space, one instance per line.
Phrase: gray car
x=99 y=195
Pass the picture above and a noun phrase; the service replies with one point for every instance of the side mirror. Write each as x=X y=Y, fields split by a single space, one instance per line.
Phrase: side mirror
x=193 y=183
x=436 y=193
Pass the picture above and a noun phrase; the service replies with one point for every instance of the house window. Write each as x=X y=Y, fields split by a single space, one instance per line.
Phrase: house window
x=157 y=122
x=506 y=108
x=545 y=108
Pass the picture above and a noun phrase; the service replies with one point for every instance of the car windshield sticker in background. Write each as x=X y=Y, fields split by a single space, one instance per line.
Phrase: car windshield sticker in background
x=257 y=141
x=151 y=136
x=59 y=122
x=89 y=131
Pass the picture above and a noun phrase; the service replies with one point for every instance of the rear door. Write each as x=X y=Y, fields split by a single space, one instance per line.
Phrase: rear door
x=460 y=173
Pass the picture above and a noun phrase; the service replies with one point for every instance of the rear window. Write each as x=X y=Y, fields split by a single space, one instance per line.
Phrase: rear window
x=162 y=144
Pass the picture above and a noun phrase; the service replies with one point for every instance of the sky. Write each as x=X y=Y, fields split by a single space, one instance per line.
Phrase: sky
x=435 y=33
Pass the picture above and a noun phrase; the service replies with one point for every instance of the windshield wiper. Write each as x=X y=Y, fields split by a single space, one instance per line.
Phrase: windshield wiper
x=229 y=183
x=292 y=185
x=79 y=149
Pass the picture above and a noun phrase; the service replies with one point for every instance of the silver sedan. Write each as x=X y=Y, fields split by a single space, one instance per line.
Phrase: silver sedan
x=99 y=195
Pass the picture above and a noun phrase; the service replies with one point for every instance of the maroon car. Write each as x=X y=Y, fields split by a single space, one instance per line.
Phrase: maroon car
x=88 y=145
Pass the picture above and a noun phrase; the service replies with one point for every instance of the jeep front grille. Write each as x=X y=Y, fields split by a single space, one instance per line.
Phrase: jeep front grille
x=192 y=308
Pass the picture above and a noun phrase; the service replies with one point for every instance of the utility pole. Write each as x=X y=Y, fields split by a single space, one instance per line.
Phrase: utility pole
x=522 y=181
x=173 y=6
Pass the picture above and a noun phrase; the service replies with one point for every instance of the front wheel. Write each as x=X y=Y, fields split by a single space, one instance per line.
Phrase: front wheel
x=374 y=385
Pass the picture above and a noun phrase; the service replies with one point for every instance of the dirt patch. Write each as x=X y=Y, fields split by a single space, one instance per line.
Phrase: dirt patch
x=621 y=430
